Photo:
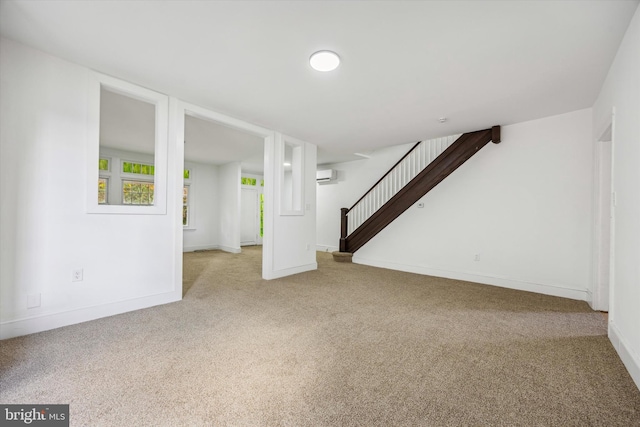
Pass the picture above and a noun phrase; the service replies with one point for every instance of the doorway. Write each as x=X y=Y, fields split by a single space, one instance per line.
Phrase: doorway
x=604 y=227
x=249 y=217
x=216 y=150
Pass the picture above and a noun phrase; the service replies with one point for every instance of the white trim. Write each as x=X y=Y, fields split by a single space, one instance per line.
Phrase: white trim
x=326 y=248
x=268 y=239
x=175 y=181
x=503 y=282
x=213 y=248
x=612 y=241
x=45 y=322
x=230 y=249
x=208 y=115
x=630 y=359
x=276 y=274
x=604 y=140
x=256 y=220
x=192 y=201
x=260 y=189
x=183 y=108
x=200 y=248
x=161 y=103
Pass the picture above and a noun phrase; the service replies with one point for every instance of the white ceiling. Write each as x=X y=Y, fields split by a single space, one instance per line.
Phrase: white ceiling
x=211 y=142
x=404 y=64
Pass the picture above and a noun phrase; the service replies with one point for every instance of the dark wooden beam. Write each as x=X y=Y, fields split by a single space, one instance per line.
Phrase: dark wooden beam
x=343 y=229
x=495 y=134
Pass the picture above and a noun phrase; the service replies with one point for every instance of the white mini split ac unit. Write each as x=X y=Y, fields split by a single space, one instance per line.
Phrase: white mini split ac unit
x=326 y=175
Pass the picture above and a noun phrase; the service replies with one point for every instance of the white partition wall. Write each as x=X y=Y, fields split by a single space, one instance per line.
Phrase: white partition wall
x=126 y=260
x=289 y=243
x=62 y=263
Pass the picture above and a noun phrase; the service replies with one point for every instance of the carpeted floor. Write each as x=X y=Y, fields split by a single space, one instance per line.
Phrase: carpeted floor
x=346 y=345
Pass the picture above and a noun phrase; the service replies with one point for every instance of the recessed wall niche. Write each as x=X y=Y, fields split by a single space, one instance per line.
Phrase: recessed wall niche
x=292 y=178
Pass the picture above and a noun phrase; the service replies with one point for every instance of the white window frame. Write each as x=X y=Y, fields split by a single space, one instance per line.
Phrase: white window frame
x=191 y=223
x=106 y=175
x=107 y=184
x=161 y=103
x=144 y=181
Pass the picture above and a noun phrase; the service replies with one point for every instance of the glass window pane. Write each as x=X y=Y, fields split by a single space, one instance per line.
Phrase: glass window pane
x=102 y=191
x=137 y=193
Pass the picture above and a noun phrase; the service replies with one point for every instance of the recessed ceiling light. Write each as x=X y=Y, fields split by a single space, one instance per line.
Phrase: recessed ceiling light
x=324 y=60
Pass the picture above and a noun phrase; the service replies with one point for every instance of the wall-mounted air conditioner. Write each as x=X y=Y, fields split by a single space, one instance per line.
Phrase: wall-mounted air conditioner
x=326 y=175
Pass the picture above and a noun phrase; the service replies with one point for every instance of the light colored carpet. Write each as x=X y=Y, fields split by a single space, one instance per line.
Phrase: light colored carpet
x=346 y=345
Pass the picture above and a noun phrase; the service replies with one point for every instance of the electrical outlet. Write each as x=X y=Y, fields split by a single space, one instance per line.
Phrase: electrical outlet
x=77 y=275
x=33 y=301
x=477 y=257
x=308 y=247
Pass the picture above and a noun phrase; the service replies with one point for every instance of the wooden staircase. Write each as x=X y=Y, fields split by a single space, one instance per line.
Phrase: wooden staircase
x=418 y=174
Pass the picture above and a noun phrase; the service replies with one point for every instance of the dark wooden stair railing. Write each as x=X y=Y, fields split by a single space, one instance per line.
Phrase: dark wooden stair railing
x=442 y=166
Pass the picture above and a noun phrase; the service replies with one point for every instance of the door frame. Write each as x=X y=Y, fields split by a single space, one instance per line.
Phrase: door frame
x=604 y=218
x=256 y=221
x=177 y=111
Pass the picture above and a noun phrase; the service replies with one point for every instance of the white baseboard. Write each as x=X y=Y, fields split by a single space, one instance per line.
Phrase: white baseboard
x=289 y=271
x=45 y=322
x=589 y=299
x=230 y=249
x=326 y=248
x=211 y=248
x=503 y=282
x=200 y=248
x=630 y=359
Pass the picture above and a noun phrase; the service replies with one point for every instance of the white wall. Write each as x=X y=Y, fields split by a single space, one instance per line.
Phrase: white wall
x=621 y=90
x=229 y=207
x=204 y=222
x=128 y=260
x=523 y=206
